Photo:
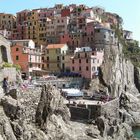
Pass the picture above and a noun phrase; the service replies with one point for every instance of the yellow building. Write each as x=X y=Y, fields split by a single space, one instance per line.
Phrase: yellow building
x=55 y=55
x=32 y=31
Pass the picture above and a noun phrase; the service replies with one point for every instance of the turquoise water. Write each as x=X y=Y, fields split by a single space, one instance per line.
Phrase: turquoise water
x=136 y=132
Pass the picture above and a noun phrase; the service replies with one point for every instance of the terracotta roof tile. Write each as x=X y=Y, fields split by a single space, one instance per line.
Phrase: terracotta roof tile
x=55 y=46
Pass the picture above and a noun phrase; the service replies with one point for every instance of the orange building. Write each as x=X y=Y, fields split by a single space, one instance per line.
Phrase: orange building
x=30 y=59
x=19 y=57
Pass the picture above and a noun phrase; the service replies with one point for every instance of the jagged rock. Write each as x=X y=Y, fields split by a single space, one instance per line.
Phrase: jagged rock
x=13 y=93
x=18 y=130
x=117 y=73
x=101 y=123
x=57 y=125
x=112 y=129
x=6 y=131
x=51 y=102
x=30 y=132
x=11 y=107
x=137 y=77
x=56 y=121
x=94 y=133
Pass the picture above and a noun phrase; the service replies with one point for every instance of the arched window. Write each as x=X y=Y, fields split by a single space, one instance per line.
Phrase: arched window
x=4 y=53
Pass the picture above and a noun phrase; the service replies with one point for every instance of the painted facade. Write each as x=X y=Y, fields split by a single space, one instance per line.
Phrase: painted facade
x=7 y=21
x=55 y=56
x=27 y=56
x=86 y=62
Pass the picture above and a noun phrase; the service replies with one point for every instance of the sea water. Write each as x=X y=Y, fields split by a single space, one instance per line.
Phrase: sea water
x=136 y=131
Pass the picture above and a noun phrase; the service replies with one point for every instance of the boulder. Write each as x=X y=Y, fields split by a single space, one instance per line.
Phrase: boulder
x=6 y=131
x=51 y=102
x=12 y=107
x=12 y=93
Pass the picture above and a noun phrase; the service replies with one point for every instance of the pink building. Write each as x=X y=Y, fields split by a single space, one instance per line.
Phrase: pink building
x=65 y=39
x=86 y=62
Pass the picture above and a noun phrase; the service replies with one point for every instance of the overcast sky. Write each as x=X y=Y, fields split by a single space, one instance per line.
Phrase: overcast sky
x=129 y=10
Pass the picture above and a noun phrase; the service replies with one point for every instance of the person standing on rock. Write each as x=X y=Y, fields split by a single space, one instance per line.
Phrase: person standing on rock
x=5 y=85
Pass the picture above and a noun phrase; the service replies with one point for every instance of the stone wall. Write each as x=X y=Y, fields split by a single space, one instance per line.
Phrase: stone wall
x=95 y=111
x=5 y=45
x=8 y=72
x=79 y=113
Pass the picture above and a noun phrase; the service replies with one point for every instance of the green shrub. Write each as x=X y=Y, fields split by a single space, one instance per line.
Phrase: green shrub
x=9 y=65
x=17 y=66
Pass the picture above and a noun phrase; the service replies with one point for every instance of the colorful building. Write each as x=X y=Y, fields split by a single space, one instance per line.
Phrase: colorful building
x=57 y=26
x=128 y=35
x=113 y=18
x=104 y=36
x=27 y=56
x=27 y=43
x=86 y=62
x=55 y=55
x=6 y=34
x=7 y=21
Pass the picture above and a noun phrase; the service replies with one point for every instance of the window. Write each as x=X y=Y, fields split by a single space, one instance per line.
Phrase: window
x=47 y=58
x=58 y=58
x=47 y=65
x=94 y=60
x=85 y=54
x=79 y=60
x=78 y=55
x=80 y=68
x=42 y=66
x=93 y=68
x=17 y=49
x=58 y=65
x=63 y=58
x=86 y=68
x=86 y=60
x=57 y=50
x=17 y=57
x=43 y=59
x=72 y=42
x=77 y=43
x=72 y=61
x=31 y=65
x=72 y=68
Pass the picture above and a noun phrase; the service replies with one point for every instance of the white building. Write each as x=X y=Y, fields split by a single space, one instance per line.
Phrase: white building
x=27 y=43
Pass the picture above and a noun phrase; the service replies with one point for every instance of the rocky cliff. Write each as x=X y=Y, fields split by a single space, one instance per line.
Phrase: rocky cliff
x=116 y=73
x=40 y=115
x=119 y=76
